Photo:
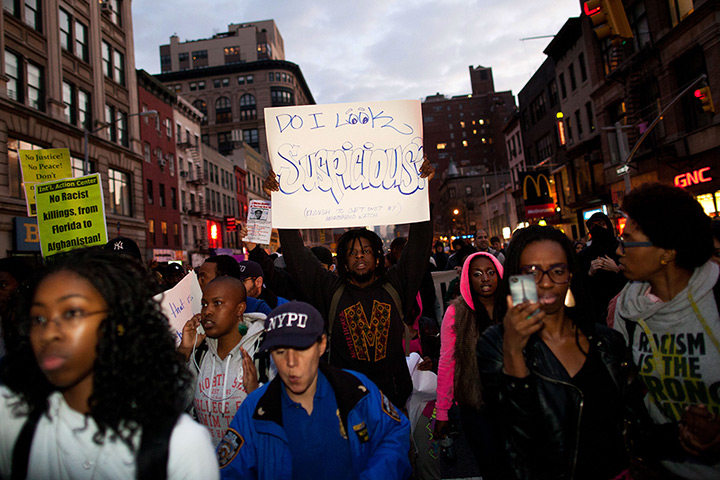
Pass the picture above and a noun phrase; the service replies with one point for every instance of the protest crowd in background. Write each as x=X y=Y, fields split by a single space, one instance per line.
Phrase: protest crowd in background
x=356 y=364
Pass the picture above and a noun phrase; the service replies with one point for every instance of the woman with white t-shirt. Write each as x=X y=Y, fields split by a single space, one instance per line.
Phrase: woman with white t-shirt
x=94 y=388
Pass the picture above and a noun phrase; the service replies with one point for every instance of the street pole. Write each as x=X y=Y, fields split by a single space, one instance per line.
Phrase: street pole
x=86 y=136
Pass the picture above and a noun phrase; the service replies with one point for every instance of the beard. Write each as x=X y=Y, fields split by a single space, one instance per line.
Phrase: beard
x=362 y=277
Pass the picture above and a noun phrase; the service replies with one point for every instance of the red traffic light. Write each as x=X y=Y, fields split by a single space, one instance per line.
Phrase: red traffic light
x=699 y=94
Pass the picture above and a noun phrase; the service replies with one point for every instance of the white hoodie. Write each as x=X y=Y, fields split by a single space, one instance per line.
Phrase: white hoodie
x=680 y=361
x=219 y=389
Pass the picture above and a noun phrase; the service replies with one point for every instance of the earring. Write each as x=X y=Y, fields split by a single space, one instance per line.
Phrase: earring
x=663 y=262
x=569 y=298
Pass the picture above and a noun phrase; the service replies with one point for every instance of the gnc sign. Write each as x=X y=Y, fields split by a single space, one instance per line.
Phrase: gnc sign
x=691 y=178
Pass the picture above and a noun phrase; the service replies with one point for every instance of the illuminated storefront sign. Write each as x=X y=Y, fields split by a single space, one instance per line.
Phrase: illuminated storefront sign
x=692 y=178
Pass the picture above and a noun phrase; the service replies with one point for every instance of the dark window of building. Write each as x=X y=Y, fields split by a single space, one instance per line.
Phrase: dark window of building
x=249 y=79
x=223 y=110
x=281 y=96
x=81 y=41
x=107 y=59
x=202 y=106
x=679 y=9
x=552 y=93
x=578 y=124
x=119 y=67
x=200 y=58
x=216 y=83
x=69 y=99
x=590 y=117
x=687 y=68
x=13 y=72
x=161 y=193
x=149 y=191
x=65 y=30
x=250 y=136
x=583 y=70
x=571 y=74
x=225 y=145
x=173 y=198
x=563 y=90
x=248 y=110
x=35 y=87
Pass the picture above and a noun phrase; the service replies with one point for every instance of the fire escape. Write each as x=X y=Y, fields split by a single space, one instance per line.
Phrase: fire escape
x=195 y=179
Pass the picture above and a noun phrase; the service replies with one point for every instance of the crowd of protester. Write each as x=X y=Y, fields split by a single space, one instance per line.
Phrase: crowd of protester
x=296 y=366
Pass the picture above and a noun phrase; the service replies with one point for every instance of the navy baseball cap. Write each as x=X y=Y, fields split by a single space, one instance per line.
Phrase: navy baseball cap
x=293 y=324
x=124 y=245
x=248 y=269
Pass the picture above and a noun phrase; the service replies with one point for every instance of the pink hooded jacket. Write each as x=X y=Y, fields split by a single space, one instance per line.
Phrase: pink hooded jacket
x=446 y=365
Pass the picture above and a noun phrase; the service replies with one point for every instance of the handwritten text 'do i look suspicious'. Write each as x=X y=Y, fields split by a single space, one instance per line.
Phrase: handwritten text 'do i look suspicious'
x=350 y=168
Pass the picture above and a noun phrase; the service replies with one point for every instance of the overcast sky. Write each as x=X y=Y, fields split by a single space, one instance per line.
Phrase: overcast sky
x=351 y=50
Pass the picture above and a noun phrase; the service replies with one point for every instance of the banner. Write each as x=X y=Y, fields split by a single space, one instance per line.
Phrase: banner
x=351 y=164
x=71 y=214
x=259 y=222
x=39 y=166
x=180 y=303
x=537 y=194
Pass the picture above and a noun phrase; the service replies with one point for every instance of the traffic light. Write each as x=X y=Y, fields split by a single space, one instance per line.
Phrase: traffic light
x=608 y=17
x=703 y=94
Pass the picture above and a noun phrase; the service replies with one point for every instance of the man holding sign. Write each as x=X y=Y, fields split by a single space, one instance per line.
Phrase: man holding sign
x=364 y=304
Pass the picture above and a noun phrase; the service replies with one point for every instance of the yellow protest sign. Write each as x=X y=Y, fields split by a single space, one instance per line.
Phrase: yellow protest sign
x=42 y=166
x=71 y=214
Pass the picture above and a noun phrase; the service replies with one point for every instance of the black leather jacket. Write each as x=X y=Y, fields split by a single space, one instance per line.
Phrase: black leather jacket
x=539 y=416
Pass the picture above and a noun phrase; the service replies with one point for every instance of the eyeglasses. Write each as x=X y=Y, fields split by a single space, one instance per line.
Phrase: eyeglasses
x=623 y=244
x=65 y=321
x=559 y=273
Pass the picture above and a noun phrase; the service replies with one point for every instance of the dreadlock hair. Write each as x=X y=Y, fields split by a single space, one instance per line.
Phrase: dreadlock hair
x=520 y=240
x=350 y=237
x=138 y=377
x=226 y=265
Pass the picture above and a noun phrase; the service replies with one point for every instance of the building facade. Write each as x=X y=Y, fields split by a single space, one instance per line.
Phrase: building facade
x=160 y=172
x=69 y=68
x=231 y=78
x=466 y=131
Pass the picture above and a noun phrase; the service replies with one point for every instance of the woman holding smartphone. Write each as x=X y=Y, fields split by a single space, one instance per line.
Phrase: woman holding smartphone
x=94 y=387
x=554 y=381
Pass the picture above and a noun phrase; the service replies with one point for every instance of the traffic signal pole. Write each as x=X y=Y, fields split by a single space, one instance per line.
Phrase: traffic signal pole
x=625 y=166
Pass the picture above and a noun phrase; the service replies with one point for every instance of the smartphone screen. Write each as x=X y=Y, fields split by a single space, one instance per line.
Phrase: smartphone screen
x=523 y=289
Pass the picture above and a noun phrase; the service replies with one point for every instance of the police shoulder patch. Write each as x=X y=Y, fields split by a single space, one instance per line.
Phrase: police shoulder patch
x=389 y=408
x=229 y=447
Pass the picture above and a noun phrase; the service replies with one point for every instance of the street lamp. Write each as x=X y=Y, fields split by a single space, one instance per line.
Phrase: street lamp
x=101 y=125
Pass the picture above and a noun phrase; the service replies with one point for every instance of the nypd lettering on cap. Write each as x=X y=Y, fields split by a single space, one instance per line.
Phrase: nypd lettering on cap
x=287 y=319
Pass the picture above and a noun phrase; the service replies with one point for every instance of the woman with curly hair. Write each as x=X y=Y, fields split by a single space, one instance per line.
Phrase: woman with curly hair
x=554 y=380
x=94 y=388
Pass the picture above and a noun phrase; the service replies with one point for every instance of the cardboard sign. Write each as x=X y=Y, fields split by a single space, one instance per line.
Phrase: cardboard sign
x=71 y=214
x=39 y=166
x=259 y=222
x=350 y=164
x=180 y=303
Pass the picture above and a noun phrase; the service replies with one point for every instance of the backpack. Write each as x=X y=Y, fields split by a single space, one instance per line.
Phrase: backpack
x=151 y=459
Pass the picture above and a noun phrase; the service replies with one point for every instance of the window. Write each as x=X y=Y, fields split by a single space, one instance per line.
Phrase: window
x=183 y=56
x=232 y=54
x=171 y=163
x=32 y=14
x=553 y=93
x=282 y=96
x=679 y=9
x=146 y=152
x=250 y=137
x=216 y=83
x=583 y=70
x=173 y=198
x=193 y=86
x=200 y=58
x=468 y=190
x=225 y=82
x=202 y=106
x=119 y=190
x=571 y=74
x=163 y=230
x=161 y=193
x=563 y=91
x=248 y=109
x=223 y=111
x=249 y=79
x=149 y=189
x=107 y=59
x=178 y=132
x=589 y=112
x=119 y=67
x=113 y=11
x=65 y=30
x=151 y=231
x=69 y=101
x=241 y=80
x=122 y=128
x=225 y=146
x=12 y=71
x=81 y=42
x=271 y=77
x=578 y=124
x=78 y=166
x=168 y=128
x=35 y=87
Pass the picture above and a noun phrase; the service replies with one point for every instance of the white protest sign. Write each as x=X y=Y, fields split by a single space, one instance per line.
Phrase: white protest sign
x=259 y=222
x=350 y=164
x=180 y=303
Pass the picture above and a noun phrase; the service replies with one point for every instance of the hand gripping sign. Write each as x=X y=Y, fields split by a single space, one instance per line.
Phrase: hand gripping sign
x=349 y=164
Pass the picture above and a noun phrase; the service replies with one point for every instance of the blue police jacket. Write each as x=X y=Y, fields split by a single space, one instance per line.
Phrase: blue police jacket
x=255 y=445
